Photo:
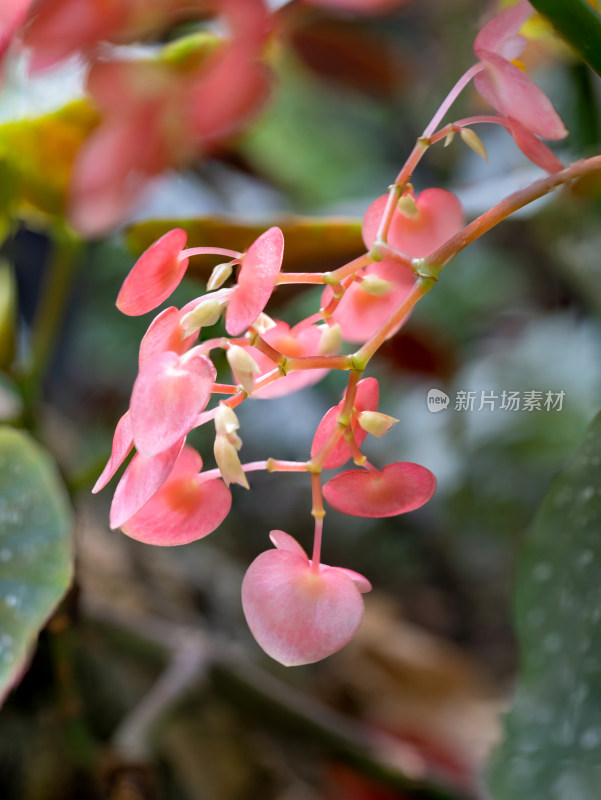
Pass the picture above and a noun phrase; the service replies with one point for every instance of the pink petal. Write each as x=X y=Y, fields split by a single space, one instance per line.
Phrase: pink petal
x=12 y=15
x=440 y=217
x=155 y=274
x=359 y=313
x=366 y=399
x=283 y=541
x=515 y=95
x=168 y=395
x=226 y=95
x=62 y=27
x=142 y=478
x=184 y=509
x=297 y=615
x=260 y=266
x=499 y=35
x=359 y=580
x=399 y=488
x=165 y=333
x=122 y=444
x=533 y=148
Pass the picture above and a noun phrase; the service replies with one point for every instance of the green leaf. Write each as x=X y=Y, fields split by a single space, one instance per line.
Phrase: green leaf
x=578 y=23
x=309 y=241
x=552 y=746
x=35 y=549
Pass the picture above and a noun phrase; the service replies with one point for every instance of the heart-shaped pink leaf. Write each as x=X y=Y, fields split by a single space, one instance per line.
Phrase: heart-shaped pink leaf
x=155 y=275
x=297 y=614
x=398 y=488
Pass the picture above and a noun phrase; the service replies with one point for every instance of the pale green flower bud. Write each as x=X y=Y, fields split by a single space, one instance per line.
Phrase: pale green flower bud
x=376 y=423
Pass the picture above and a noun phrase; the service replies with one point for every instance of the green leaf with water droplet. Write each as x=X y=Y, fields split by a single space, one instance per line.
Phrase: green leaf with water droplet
x=35 y=549
x=552 y=744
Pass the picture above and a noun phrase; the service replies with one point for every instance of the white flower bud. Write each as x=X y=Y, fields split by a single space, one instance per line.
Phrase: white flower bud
x=407 y=206
x=263 y=323
x=331 y=340
x=226 y=421
x=372 y=284
x=473 y=141
x=228 y=462
x=376 y=423
x=243 y=366
x=207 y=312
x=219 y=275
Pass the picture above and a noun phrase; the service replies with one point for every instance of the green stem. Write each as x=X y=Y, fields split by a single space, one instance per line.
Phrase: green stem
x=49 y=315
x=578 y=23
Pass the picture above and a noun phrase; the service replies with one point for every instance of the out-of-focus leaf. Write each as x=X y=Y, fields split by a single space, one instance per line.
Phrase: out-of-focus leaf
x=8 y=313
x=346 y=53
x=40 y=152
x=579 y=23
x=309 y=242
x=35 y=549
x=552 y=741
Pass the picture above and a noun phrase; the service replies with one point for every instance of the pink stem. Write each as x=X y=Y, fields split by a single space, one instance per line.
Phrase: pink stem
x=451 y=97
x=208 y=251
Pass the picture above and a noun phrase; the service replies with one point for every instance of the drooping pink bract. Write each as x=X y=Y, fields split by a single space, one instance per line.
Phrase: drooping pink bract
x=532 y=147
x=256 y=280
x=360 y=313
x=397 y=489
x=168 y=395
x=155 y=274
x=184 y=509
x=142 y=478
x=504 y=85
x=439 y=216
x=122 y=444
x=366 y=399
x=298 y=614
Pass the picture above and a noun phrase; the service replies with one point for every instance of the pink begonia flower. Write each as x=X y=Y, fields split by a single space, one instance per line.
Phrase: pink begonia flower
x=439 y=215
x=397 y=489
x=156 y=115
x=360 y=313
x=185 y=508
x=143 y=477
x=123 y=441
x=366 y=399
x=301 y=340
x=299 y=614
x=256 y=280
x=504 y=85
x=168 y=395
x=155 y=275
